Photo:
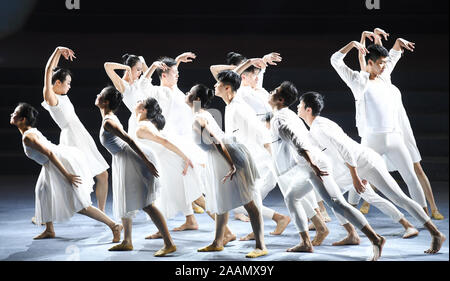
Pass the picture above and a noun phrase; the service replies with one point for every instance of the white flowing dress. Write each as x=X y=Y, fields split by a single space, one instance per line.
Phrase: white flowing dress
x=56 y=199
x=134 y=186
x=73 y=133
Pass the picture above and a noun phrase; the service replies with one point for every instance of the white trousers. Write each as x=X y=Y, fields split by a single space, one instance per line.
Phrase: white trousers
x=393 y=147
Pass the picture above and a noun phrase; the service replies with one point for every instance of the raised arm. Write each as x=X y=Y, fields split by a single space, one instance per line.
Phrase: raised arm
x=110 y=68
x=361 y=56
x=112 y=127
x=216 y=69
x=396 y=53
x=379 y=35
x=155 y=65
x=52 y=63
x=185 y=57
x=32 y=141
x=144 y=133
x=144 y=64
x=258 y=62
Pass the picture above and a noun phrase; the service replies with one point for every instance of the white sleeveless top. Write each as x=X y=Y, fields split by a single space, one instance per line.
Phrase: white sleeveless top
x=33 y=153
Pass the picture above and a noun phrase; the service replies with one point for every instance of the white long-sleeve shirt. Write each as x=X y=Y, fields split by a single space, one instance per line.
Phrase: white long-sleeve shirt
x=290 y=137
x=336 y=144
x=378 y=103
x=256 y=99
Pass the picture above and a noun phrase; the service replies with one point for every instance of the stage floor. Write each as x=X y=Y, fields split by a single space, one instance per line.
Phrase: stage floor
x=83 y=239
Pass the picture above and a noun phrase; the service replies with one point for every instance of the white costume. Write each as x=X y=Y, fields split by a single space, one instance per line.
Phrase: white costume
x=382 y=121
x=56 y=199
x=341 y=149
x=73 y=133
x=295 y=176
x=222 y=197
x=178 y=191
x=134 y=186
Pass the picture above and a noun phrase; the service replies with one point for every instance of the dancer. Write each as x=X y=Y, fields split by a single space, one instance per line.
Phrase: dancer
x=363 y=164
x=57 y=83
x=136 y=87
x=299 y=175
x=64 y=184
x=376 y=36
x=133 y=173
x=241 y=190
x=378 y=121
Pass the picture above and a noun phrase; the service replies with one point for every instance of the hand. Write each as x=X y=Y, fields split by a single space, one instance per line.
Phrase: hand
x=186 y=57
x=230 y=174
x=272 y=58
x=379 y=32
x=160 y=65
x=360 y=48
x=318 y=172
x=370 y=35
x=360 y=186
x=67 y=53
x=258 y=63
x=187 y=163
x=73 y=179
x=410 y=46
x=152 y=169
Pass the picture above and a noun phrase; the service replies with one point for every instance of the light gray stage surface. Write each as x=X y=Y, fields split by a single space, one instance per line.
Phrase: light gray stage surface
x=84 y=239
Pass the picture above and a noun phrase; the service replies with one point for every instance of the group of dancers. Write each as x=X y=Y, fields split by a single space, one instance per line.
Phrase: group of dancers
x=175 y=158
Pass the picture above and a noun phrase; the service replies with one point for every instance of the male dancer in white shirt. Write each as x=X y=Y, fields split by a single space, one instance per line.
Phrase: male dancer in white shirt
x=299 y=175
x=378 y=107
x=362 y=164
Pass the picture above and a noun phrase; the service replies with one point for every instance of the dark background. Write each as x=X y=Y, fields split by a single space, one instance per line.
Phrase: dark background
x=306 y=33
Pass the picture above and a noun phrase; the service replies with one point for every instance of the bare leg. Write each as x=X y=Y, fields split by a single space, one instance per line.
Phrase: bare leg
x=100 y=216
x=258 y=229
x=323 y=211
x=160 y=222
x=376 y=240
x=101 y=190
x=49 y=232
x=217 y=244
x=321 y=230
x=438 y=238
x=190 y=224
x=127 y=243
x=305 y=244
x=426 y=186
x=352 y=236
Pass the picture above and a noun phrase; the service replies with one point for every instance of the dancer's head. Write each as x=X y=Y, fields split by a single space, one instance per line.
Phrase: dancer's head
x=109 y=99
x=311 y=105
x=169 y=77
x=200 y=93
x=235 y=58
x=283 y=96
x=250 y=76
x=376 y=59
x=151 y=110
x=24 y=115
x=228 y=82
x=61 y=79
x=135 y=64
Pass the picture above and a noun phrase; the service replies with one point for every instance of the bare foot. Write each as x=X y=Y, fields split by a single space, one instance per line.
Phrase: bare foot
x=377 y=248
x=166 y=250
x=241 y=217
x=410 y=232
x=156 y=235
x=349 y=240
x=256 y=253
x=311 y=226
x=186 y=226
x=117 y=229
x=436 y=244
x=320 y=236
x=124 y=246
x=45 y=235
x=281 y=225
x=249 y=237
x=228 y=238
x=301 y=248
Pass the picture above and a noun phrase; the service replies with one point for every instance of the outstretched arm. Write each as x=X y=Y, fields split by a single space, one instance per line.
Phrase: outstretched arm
x=32 y=141
x=144 y=133
x=49 y=95
x=112 y=127
x=110 y=68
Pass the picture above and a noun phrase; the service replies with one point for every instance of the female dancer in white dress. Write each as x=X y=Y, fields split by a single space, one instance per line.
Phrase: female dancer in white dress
x=133 y=175
x=73 y=133
x=376 y=37
x=176 y=169
x=136 y=87
x=64 y=184
x=226 y=160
